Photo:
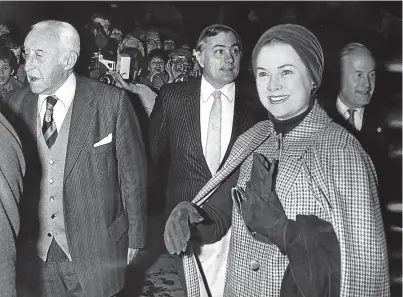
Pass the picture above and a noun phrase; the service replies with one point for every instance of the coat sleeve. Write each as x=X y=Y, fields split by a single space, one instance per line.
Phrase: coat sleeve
x=132 y=171
x=158 y=133
x=358 y=222
x=12 y=170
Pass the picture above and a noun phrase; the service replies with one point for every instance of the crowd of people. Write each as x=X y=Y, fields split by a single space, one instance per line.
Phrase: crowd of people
x=270 y=186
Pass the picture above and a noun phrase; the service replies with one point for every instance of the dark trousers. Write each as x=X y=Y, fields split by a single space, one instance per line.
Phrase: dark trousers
x=55 y=277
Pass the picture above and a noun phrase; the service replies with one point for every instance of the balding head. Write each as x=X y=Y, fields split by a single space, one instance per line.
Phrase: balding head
x=51 y=50
x=64 y=34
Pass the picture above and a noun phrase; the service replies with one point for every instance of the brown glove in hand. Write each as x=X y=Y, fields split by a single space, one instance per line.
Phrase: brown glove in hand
x=262 y=210
x=177 y=227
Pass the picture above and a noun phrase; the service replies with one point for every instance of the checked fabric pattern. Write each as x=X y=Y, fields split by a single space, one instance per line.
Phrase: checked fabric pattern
x=49 y=129
x=323 y=171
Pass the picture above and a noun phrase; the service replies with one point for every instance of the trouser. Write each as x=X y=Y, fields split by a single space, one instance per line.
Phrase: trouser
x=55 y=277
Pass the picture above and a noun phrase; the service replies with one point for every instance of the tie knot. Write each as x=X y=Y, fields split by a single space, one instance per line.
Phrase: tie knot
x=351 y=111
x=51 y=100
x=217 y=94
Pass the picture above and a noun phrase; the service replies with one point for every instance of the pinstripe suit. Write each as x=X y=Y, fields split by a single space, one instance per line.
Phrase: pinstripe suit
x=175 y=128
x=12 y=169
x=104 y=186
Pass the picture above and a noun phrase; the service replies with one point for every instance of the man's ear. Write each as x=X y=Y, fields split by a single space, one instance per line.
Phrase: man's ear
x=71 y=60
x=199 y=59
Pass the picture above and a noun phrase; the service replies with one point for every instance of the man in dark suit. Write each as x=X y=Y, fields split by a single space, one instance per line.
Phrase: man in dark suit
x=194 y=123
x=83 y=209
x=12 y=170
x=353 y=108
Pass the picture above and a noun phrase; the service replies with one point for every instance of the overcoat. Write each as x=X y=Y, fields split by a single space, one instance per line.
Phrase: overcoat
x=322 y=171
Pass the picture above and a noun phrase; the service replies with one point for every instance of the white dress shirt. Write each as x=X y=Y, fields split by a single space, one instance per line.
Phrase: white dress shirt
x=206 y=103
x=65 y=95
x=343 y=110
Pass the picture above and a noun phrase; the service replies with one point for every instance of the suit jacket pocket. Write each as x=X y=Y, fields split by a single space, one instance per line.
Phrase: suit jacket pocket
x=102 y=148
x=119 y=226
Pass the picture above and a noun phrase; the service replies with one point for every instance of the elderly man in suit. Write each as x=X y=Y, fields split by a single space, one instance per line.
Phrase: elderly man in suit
x=12 y=170
x=196 y=122
x=83 y=209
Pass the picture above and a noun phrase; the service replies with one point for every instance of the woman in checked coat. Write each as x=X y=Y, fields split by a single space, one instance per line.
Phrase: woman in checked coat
x=304 y=214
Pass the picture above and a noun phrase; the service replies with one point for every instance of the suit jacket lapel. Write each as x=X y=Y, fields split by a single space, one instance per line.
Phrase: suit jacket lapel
x=240 y=151
x=192 y=118
x=82 y=119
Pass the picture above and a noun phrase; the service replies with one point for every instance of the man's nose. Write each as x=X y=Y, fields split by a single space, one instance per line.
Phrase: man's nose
x=229 y=58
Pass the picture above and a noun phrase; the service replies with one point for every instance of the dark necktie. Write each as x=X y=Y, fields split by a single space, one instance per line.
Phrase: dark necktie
x=350 y=120
x=49 y=129
x=213 y=147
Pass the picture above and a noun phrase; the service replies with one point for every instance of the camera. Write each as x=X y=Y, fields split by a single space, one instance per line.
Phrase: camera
x=99 y=69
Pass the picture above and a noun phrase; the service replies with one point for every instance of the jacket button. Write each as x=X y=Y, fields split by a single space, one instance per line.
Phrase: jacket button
x=379 y=129
x=254 y=265
x=49 y=235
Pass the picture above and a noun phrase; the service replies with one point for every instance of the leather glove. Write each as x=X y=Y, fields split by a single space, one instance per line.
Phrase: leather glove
x=177 y=227
x=262 y=210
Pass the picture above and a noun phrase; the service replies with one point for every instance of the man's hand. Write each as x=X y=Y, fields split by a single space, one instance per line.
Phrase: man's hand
x=262 y=211
x=177 y=227
x=131 y=254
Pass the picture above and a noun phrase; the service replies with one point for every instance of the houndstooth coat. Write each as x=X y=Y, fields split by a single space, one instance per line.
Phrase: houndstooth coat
x=322 y=171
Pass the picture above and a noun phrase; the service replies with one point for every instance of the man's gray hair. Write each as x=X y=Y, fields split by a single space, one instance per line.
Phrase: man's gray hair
x=354 y=47
x=214 y=30
x=62 y=32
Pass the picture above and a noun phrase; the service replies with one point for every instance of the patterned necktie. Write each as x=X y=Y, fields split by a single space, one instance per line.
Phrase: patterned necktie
x=49 y=129
x=350 y=119
x=213 y=146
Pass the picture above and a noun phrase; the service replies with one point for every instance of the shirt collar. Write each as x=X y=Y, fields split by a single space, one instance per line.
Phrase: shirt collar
x=207 y=90
x=342 y=109
x=65 y=93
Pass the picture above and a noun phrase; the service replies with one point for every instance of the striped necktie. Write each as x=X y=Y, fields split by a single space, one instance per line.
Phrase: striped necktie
x=49 y=129
x=213 y=146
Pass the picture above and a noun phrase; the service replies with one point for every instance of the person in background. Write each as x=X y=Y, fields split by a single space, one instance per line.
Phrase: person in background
x=12 y=171
x=298 y=192
x=12 y=42
x=156 y=64
x=179 y=68
x=169 y=44
x=152 y=40
x=103 y=21
x=184 y=121
x=132 y=41
x=145 y=94
x=8 y=66
x=83 y=212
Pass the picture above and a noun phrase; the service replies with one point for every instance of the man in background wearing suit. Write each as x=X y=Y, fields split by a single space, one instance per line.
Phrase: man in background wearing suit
x=83 y=209
x=195 y=123
x=353 y=109
x=12 y=170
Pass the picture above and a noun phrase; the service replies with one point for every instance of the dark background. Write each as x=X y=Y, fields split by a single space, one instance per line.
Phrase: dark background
x=333 y=22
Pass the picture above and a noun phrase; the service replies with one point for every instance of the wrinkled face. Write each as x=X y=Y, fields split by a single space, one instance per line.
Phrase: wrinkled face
x=44 y=62
x=357 y=79
x=105 y=24
x=156 y=65
x=5 y=72
x=153 y=41
x=220 y=59
x=17 y=53
x=282 y=81
x=169 y=45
